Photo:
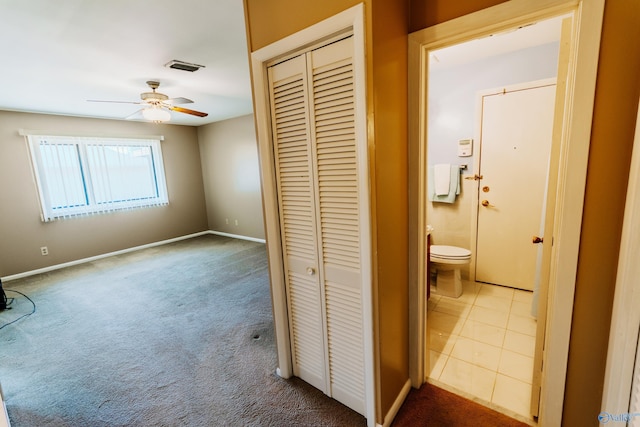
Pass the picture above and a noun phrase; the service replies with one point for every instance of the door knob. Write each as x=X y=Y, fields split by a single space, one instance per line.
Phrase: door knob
x=486 y=203
x=537 y=239
x=311 y=271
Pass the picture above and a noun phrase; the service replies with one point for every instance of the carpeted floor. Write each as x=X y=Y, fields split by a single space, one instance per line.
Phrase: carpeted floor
x=176 y=335
x=431 y=406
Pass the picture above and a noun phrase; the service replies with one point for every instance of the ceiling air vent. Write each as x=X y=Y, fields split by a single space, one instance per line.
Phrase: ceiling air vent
x=184 y=66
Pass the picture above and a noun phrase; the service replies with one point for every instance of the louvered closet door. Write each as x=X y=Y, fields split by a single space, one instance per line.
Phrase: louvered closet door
x=292 y=151
x=316 y=168
x=335 y=162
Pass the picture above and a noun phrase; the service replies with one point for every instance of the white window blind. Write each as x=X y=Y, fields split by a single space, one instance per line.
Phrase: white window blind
x=88 y=175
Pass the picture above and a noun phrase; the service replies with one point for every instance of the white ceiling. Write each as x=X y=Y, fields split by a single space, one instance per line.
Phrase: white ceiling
x=543 y=32
x=56 y=55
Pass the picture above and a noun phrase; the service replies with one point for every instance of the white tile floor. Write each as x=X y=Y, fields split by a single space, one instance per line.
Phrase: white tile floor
x=482 y=344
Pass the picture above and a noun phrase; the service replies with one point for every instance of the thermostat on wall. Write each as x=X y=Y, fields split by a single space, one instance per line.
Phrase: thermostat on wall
x=465 y=147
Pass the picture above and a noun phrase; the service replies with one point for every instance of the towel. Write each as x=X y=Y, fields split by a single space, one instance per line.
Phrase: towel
x=454 y=185
x=442 y=179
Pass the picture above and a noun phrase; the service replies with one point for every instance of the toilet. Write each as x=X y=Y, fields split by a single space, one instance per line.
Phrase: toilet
x=446 y=261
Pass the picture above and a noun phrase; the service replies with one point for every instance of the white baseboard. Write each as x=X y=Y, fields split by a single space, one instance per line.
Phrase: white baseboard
x=393 y=411
x=4 y=416
x=237 y=236
x=123 y=251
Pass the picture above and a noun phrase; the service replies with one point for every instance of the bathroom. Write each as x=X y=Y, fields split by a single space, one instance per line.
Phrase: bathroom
x=481 y=334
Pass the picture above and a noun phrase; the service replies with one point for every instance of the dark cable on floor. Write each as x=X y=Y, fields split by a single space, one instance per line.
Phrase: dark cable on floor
x=10 y=300
x=3 y=298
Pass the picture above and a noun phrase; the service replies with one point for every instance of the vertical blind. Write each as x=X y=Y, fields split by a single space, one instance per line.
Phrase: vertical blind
x=88 y=175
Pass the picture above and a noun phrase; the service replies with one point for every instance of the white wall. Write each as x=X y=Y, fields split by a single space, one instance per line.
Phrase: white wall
x=230 y=169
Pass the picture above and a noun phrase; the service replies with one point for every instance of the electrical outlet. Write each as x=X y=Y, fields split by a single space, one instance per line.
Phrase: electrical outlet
x=44 y=251
x=226 y=220
x=236 y=222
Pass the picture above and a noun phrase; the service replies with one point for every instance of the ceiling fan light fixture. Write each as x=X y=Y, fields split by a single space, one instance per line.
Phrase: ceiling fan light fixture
x=156 y=114
x=157 y=106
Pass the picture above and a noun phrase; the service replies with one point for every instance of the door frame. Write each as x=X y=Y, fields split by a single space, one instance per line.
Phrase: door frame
x=349 y=21
x=476 y=163
x=578 y=112
x=625 y=321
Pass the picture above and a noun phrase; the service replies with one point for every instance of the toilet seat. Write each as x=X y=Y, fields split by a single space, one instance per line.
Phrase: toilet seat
x=449 y=254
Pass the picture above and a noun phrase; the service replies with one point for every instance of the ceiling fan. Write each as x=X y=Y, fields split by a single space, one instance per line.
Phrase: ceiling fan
x=157 y=105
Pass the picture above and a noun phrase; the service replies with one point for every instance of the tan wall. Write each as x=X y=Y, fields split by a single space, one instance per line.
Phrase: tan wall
x=272 y=20
x=21 y=231
x=388 y=103
x=618 y=87
x=231 y=174
x=426 y=13
x=386 y=39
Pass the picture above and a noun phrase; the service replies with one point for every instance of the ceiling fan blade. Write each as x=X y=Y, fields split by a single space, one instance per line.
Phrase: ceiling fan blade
x=187 y=111
x=115 y=102
x=136 y=115
x=179 y=100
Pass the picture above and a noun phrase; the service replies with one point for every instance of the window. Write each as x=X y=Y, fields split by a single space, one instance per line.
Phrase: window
x=87 y=175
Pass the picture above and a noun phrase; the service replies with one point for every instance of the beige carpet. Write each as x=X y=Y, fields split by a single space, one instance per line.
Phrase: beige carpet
x=176 y=335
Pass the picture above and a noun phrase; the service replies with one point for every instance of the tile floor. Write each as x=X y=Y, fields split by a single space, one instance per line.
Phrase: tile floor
x=482 y=344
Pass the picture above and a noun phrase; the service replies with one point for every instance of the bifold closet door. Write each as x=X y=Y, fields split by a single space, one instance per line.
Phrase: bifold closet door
x=312 y=101
x=296 y=201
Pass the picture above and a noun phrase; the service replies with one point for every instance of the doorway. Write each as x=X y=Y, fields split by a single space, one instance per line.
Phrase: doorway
x=574 y=136
x=482 y=343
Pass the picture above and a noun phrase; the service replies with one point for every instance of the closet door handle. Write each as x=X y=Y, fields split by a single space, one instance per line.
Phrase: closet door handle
x=311 y=271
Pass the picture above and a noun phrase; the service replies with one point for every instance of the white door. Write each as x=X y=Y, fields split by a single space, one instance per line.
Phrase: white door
x=514 y=155
x=317 y=180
